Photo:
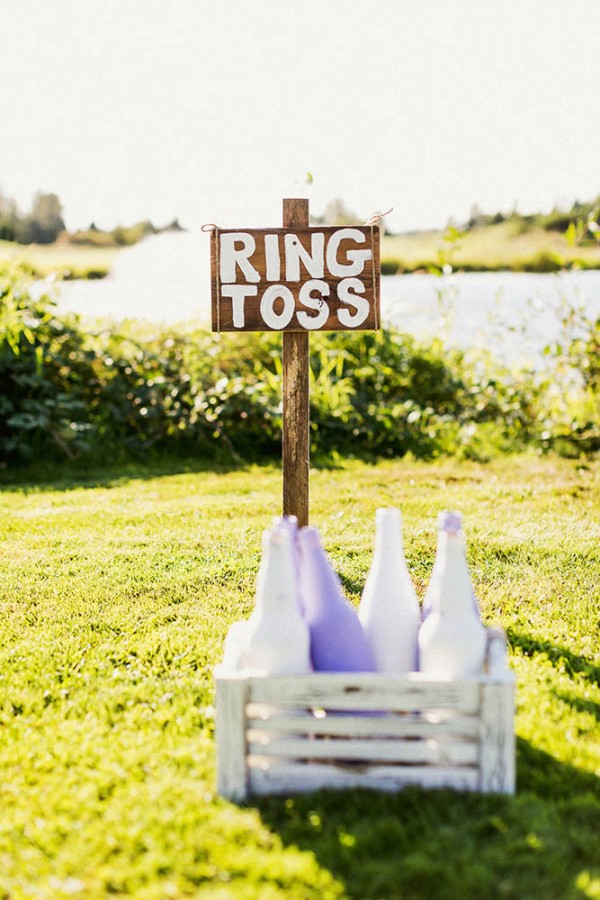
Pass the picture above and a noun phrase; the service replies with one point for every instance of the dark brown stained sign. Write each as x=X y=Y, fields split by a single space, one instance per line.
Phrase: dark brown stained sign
x=301 y=279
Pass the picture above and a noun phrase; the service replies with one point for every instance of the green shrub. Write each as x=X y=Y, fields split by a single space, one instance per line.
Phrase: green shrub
x=390 y=266
x=127 y=391
x=43 y=365
x=544 y=261
x=570 y=418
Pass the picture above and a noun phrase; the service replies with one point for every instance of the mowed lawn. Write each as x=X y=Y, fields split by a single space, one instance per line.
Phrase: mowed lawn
x=116 y=592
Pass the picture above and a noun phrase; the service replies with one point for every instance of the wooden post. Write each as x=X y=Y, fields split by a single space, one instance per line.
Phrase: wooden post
x=296 y=420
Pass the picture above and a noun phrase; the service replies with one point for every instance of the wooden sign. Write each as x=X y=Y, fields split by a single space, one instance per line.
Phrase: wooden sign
x=295 y=279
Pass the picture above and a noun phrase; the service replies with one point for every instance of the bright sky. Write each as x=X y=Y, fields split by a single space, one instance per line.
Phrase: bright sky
x=214 y=111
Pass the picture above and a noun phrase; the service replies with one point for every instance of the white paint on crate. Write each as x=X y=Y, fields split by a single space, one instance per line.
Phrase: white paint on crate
x=286 y=734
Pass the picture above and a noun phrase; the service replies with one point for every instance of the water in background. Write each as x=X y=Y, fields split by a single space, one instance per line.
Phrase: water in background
x=511 y=313
x=166 y=278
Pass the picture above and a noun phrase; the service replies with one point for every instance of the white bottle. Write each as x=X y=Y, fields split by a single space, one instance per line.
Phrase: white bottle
x=234 y=648
x=447 y=522
x=452 y=639
x=389 y=610
x=276 y=641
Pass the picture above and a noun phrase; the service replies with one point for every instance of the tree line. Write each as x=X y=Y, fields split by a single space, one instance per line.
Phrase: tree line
x=44 y=224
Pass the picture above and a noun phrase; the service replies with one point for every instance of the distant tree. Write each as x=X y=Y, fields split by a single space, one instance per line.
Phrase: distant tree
x=45 y=222
x=9 y=218
x=337 y=213
x=173 y=226
x=119 y=235
x=476 y=216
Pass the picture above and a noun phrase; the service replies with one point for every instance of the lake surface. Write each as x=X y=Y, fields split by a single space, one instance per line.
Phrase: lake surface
x=514 y=314
x=167 y=279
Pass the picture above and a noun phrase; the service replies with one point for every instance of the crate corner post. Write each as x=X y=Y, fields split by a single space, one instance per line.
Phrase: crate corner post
x=497 y=762
x=230 y=725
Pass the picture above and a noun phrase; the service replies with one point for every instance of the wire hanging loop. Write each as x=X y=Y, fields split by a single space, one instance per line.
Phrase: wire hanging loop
x=377 y=217
x=209 y=226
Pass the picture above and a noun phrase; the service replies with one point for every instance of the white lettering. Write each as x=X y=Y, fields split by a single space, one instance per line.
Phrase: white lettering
x=295 y=252
x=317 y=303
x=360 y=304
x=238 y=294
x=231 y=255
x=272 y=257
x=357 y=258
x=267 y=306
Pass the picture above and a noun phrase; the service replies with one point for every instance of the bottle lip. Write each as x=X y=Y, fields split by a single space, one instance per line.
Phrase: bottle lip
x=391 y=513
x=450 y=522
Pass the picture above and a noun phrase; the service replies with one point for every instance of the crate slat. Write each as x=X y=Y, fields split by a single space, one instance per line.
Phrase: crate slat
x=389 y=725
x=445 y=753
x=365 y=691
x=298 y=778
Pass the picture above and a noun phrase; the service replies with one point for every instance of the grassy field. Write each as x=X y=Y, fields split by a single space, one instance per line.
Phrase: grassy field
x=116 y=592
x=499 y=246
x=69 y=260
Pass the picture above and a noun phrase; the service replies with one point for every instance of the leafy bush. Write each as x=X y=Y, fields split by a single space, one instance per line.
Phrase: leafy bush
x=544 y=261
x=390 y=266
x=69 y=393
x=570 y=418
x=43 y=364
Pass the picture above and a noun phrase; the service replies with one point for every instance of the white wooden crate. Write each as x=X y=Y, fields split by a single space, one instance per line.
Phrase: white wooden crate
x=287 y=734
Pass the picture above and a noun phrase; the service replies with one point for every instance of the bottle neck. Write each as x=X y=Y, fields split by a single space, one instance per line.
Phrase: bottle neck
x=319 y=582
x=388 y=536
x=455 y=590
x=276 y=586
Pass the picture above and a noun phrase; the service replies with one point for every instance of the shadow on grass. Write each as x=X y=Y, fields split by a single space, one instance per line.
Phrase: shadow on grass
x=447 y=845
x=588 y=707
x=558 y=656
x=43 y=477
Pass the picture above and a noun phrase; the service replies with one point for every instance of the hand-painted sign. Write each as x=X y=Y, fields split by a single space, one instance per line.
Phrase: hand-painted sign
x=306 y=279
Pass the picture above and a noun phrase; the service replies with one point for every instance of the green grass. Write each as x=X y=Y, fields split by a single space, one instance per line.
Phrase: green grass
x=116 y=592
x=69 y=260
x=502 y=246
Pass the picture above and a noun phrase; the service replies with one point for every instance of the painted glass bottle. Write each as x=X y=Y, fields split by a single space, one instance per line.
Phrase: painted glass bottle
x=337 y=640
x=452 y=639
x=289 y=524
x=389 y=610
x=277 y=639
x=447 y=522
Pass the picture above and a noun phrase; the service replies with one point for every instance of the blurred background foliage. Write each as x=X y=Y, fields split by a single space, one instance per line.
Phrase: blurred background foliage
x=83 y=391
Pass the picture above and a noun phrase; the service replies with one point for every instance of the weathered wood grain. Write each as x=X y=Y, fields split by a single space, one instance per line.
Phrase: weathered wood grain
x=299 y=733
x=298 y=228
x=298 y=778
x=497 y=762
x=230 y=727
x=403 y=725
x=366 y=691
x=295 y=446
x=446 y=753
